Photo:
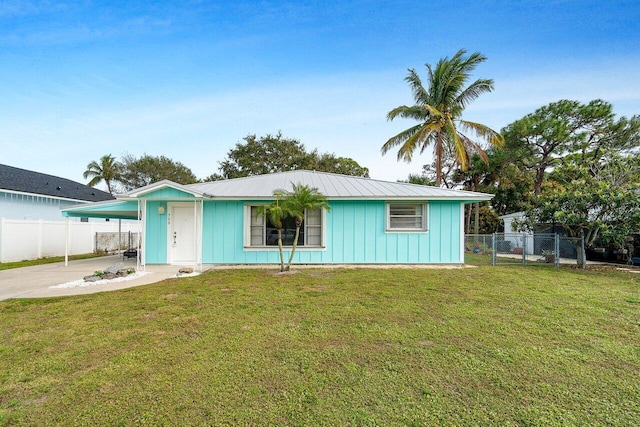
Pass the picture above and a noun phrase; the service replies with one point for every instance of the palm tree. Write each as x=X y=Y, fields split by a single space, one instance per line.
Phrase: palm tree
x=438 y=108
x=296 y=202
x=275 y=213
x=108 y=169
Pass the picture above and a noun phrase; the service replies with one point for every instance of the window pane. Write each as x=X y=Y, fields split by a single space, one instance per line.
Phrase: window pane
x=288 y=233
x=405 y=216
x=255 y=218
x=256 y=228
x=405 y=210
x=313 y=217
x=399 y=222
x=257 y=234
x=314 y=236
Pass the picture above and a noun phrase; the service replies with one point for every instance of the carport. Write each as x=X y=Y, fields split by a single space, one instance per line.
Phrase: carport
x=119 y=209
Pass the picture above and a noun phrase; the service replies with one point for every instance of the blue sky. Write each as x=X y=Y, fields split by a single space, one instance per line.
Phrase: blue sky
x=190 y=79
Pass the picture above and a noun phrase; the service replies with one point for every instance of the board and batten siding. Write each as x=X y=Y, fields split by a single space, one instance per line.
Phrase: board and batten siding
x=156 y=224
x=155 y=234
x=355 y=232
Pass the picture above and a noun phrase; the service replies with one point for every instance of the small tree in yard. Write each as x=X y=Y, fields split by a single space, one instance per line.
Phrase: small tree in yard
x=292 y=204
x=299 y=200
x=276 y=213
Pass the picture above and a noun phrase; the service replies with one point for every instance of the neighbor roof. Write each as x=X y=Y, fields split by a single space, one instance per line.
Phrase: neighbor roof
x=25 y=181
x=331 y=185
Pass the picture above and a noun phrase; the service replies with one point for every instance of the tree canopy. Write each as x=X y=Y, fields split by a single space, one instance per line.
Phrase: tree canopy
x=107 y=169
x=568 y=163
x=275 y=153
x=438 y=109
x=145 y=170
x=583 y=163
x=564 y=132
x=132 y=172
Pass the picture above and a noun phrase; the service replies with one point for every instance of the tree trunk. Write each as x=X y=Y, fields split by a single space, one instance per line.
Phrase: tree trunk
x=477 y=218
x=293 y=248
x=280 y=249
x=537 y=185
x=439 y=160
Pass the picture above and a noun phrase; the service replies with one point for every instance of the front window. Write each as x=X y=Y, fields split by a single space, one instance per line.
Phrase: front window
x=406 y=216
x=263 y=233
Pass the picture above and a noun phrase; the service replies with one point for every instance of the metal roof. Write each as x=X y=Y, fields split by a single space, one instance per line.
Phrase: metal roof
x=333 y=186
x=26 y=181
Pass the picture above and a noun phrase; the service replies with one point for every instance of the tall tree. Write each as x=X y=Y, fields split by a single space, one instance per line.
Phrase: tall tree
x=439 y=108
x=567 y=131
x=107 y=169
x=329 y=162
x=275 y=153
x=138 y=172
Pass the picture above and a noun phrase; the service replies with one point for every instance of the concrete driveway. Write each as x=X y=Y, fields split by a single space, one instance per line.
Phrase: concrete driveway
x=35 y=282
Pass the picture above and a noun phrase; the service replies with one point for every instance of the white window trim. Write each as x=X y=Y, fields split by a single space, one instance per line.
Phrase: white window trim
x=425 y=218
x=247 y=233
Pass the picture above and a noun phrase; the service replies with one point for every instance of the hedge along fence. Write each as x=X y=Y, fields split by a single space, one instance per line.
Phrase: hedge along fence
x=33 y=239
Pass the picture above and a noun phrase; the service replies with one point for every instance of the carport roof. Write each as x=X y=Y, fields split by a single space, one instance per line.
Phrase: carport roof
x=120 y=209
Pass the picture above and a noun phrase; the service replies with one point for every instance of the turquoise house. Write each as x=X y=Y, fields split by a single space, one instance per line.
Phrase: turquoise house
x=370 y=221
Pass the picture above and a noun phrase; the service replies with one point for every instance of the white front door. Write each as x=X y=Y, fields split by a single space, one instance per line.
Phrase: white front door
x=182 y=235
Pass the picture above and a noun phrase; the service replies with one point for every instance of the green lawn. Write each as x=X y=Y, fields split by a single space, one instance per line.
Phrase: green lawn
x=478 y=346
x=47 y=260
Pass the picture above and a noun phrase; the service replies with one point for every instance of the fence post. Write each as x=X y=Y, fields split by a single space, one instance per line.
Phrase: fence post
x=40 y=238
x=493 y=249
x=523 y=238
x=556 y=250
x=583 y=255
x=1 y=239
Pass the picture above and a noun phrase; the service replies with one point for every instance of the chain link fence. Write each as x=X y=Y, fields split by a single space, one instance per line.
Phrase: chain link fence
x=526 y=248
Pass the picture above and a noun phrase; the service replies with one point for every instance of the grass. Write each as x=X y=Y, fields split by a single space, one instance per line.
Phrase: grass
x=483 y=346
x=46 y=260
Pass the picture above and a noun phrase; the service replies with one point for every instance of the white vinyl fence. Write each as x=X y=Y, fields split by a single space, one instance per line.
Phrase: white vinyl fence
x=33 y=239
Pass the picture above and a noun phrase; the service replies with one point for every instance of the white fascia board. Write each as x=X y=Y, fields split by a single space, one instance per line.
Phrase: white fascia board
x=466 y=199
x=46 y=196
x=160 y=185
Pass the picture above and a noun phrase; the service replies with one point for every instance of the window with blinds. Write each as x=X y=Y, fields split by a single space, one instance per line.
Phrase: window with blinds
x=406 y=216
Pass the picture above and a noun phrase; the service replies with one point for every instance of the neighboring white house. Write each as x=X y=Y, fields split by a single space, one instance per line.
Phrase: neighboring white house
x=31 y=222
x=518 y=239
x=32 y=195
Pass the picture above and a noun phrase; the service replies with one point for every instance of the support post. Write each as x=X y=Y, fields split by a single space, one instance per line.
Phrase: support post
x=140 y=238
x=583 y=253
x=557 y=250
x=195 y=234
x=493 y=249
x=66 y=241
